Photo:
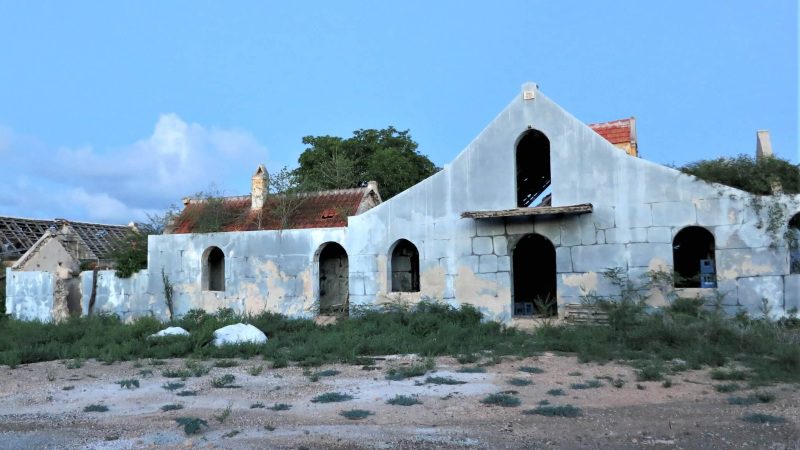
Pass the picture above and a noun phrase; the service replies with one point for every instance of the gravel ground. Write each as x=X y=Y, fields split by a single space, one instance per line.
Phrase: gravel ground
x=41 y=406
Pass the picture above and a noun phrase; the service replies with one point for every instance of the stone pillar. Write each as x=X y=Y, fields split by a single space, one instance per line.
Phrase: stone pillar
x=259 y=188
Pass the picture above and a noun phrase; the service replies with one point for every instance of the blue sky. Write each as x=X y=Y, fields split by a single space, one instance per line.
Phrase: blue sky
x=112 y=110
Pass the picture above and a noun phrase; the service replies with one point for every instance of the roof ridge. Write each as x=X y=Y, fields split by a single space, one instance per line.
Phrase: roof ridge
x=57 y=220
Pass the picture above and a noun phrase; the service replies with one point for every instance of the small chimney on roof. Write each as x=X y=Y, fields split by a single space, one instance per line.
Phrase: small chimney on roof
x=763 y=144
x=259 y=188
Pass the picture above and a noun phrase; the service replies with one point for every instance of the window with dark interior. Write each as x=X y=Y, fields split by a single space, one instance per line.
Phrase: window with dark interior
x=214 y=269
x=693 y=258
x=793 y=236
x=533 y=167
x=405 y=267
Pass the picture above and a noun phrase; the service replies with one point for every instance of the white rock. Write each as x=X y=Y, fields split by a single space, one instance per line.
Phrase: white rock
x=171 y=331
x=238 y=333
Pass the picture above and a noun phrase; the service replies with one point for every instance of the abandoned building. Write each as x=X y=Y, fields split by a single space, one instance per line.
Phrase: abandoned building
x=49 y=255
x=524 y=222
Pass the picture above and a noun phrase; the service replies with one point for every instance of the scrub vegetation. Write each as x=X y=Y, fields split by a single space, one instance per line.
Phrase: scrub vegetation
x=764 y=351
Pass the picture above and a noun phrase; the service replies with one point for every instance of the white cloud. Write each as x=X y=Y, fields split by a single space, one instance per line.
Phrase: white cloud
x=118 y=185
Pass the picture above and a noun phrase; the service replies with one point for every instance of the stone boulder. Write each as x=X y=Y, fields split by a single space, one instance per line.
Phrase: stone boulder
x=170 y=331
x=238 y=333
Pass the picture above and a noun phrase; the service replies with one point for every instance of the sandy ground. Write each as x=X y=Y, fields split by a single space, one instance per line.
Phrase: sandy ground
x=41 y=406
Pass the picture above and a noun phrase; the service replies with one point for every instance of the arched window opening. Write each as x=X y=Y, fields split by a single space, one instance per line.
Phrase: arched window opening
x=794 y=244
x=214 y=269
x=534 y=271
x=405 y=267
x=533 y=167
x=693 y=258
x=334 y=276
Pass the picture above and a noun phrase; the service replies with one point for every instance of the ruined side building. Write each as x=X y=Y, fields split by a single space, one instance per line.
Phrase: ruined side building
x=525 y=221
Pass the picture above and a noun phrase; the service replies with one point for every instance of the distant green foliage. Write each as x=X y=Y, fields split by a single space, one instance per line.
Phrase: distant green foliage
x=748 y=173
x=130 y=252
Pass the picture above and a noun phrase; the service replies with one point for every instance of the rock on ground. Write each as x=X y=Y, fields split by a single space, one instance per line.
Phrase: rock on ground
x=170 y=331
x=238 y=333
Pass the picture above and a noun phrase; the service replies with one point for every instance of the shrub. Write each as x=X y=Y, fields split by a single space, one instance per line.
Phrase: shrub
x=468 y=358
x=172 y=386
x=356 y=414
x=130 y=383
x=519 y=382
x=257 y=405
x=501 y=399
x=763 y=418
x=197 y=368
x=95 y=408
x=471 y=369
x=727 y=387
x=224 y=381
x=590 y=384
x=403 y=400
x=529 y=369
x=225 y=363
x=176 y=373
x=414 y=370
x=730 y=375
x=186 y=393
x=256 y=370
x=328 y=373
x=555 y=411
x=281 y=407
x=191 y=425
x=443 y=380
x=650 y=372
x=556 y=392
x=171 y=407
x=330 y=397
x=752 y=399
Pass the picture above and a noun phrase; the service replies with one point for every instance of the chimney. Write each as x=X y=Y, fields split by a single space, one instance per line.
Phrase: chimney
x=763 y=144
x=259 y=188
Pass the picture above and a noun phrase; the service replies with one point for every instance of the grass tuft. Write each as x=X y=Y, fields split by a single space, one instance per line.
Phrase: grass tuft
x=173 y=385
x=172 y=407
x=403 y=400
x=726 y=388
x=501 y=399
x=280 y=407
x=356 y=414
x=443 y=380
x=95 y=408
x=763 y=418
x=330 y=397
x=129 y=383
x=519 y=382
x=191 y=425
x=471 y=369
x=224 y=381
x=589 y=384
x=555 y=411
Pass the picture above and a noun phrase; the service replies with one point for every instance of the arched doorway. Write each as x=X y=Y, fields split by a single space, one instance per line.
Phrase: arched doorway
x=334 y=275
x=534 y=271
x=693 y=258
x=533 y=167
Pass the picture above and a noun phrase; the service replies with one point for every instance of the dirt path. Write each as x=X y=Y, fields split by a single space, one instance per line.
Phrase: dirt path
x=41 y=406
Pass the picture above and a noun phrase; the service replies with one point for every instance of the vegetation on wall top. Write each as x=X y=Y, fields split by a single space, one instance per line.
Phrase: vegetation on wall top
x=747 y=173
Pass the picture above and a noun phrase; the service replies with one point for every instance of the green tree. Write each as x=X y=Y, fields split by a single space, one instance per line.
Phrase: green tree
x=388 y=156
x=748 y=174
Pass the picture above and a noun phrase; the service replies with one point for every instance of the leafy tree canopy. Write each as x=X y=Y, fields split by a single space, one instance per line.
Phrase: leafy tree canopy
x=387 y=156
x=748 y=173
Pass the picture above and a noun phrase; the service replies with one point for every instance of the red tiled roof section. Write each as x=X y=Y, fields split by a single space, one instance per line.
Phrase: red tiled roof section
x=323 y=209
x=617 y=131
